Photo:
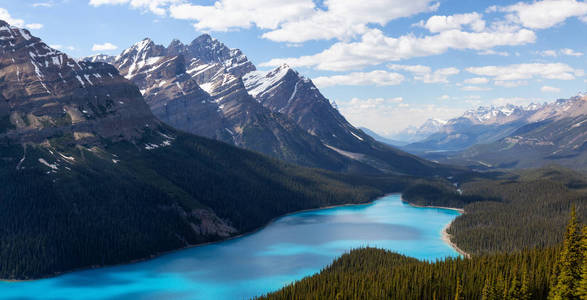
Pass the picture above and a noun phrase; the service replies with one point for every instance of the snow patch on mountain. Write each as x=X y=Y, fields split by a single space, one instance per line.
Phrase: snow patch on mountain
x=259 y=82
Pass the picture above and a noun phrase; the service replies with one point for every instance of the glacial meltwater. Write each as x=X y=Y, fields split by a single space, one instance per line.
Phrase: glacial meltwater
x=286 y=250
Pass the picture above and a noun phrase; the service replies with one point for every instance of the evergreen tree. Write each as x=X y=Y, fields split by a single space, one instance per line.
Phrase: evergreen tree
x=515 y=286
x=525 y=293
x=570 y=262
x=459 y=290
x=485 y=291
x=582 y=288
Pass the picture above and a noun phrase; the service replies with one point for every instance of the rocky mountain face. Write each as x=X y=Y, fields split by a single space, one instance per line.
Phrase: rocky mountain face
x=284 y=90
x=211 y=90
x=90 y=176
x=198 y=88
x=46 y=93
x=534 y=136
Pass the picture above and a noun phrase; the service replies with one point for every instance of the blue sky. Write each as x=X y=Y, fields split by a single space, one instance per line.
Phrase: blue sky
x=388 y=64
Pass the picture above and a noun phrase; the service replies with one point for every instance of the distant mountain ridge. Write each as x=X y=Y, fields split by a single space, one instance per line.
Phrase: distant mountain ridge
x=554 y=134
x=484 y=124
x=515 y=136
x=382 y=139
x=211 y=90
x=415 y=134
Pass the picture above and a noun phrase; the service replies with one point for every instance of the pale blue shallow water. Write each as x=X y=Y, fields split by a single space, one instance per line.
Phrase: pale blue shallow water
x=288 y=249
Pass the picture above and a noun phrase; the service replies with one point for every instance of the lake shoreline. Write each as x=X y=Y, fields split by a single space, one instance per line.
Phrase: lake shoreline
x=163 y=253
x=446 y=237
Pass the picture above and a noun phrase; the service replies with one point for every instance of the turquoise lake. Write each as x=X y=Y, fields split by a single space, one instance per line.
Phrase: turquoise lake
x=286 y=250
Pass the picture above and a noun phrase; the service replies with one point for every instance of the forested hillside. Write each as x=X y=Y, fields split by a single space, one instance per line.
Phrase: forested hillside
x=90 y=177
x=552 y=273
x=113 y=205
x=506 y=211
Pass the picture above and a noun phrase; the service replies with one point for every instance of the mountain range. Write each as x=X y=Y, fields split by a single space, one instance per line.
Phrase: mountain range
x=208 y=89
x=511 y=136
x=91 y=177
x=554 y=134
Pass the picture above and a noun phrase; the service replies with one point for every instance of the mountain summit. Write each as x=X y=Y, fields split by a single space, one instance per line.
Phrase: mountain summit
x=211 y=90
x=90 y=176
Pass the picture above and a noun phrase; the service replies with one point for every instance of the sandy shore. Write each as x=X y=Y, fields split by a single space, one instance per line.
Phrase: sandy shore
x=462 y=211
x=444 y=232
x=446 y=238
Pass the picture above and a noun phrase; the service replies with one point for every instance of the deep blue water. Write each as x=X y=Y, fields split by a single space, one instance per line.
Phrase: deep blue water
x=288 y=249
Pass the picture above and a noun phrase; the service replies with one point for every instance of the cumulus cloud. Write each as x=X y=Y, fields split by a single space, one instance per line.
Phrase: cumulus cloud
x=510 y=84
x=43 y=4
x=551 y=53
x=564 y=51
x=377 y=78
x=158 y=7
x=104 y=47
x=61 y=47
x=443 y=23
x=228 y=14
x=344 y=19
x=425 y=73
x=477 y=80
x=528 y=71
x=5 y=16
x=550 y=89
x=493 y=52
x=571 y=52
x=296 y=21
x=375 y=48
x=544 y=14
x=473 y=88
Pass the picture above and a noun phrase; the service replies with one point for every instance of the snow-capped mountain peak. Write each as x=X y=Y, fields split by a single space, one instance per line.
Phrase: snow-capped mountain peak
x=260 y=82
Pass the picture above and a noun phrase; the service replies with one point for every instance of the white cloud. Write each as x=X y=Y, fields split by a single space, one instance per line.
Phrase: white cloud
x=443 y=23
x=571 y=52
x=444 y=97
x=61 y=47
x=551 y=53
x=104 y=47
x=375 y=48
x=425 y=74
x=378 y=78
x=389 y=116
x=550 y=89
x=510 y=83
x=472 y=88
x=564 y=51
x=493 y=52
x=515 y=100
x=158 y=7
x=297 y=21
x=5 y=16
x=528 y=71
x=229 y=14
x=477 y=80
x=43 y=4
x=544 y=14
x=34 y=26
